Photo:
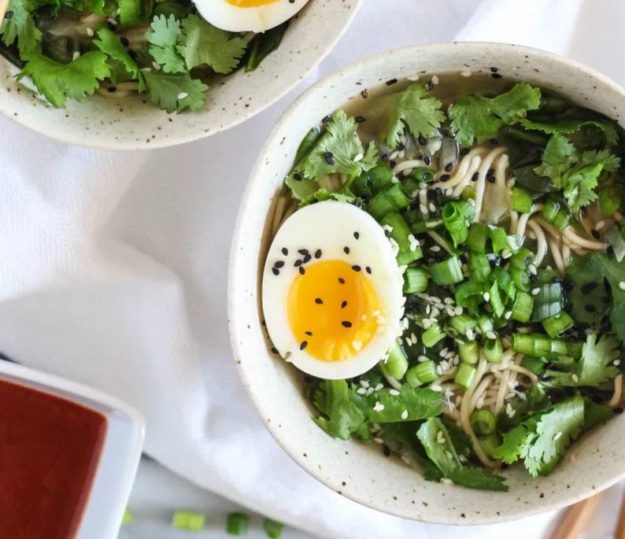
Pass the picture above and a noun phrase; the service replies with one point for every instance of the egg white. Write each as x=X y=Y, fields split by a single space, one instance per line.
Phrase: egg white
x=232 y=18
x=330 y=226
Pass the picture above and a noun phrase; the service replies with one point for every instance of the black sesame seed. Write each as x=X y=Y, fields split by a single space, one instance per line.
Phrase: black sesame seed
x=490 y=175
x=445 y=177
x=325 y=119
x=595 y=234
x=309 y=333
x=346 y=324
x=318 y=301
x=386 y=450
x=302 y=270
x=318 y=253
x=589 y=287
x=391 y=82
x=346 y=250
x=401 y=146
x=364 y=94
x=475 y=176
x=329 y=157
x=112 y=89
x=297 y=177
x=368 y=270
x=341 y=280
x=303 y=252
x=8 y=15
x=274 y=350
x=384 y=157
x=360 y=119
x=449 y=167
x=307 y=259
x=356 y=267
x=356 y=235
x=343 y=304
x=427 y=160
x=285 y=251
x=298 y=263
x=392 y=163
x=303 y=345
x=279 y=264
x=590 y=308
x=422 y=140
x=494 y=69
x=496 y=75
x=275 y=271
x=124 y=41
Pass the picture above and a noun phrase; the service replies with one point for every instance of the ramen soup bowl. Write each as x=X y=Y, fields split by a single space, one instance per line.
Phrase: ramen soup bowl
x=69 y=456
x=359 y=471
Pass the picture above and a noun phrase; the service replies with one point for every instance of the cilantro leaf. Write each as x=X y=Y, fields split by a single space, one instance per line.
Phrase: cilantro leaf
x=575 y=173
x=175 y=92
x=481 y=117
x=595 y=365
x=515 y=440
x=569 y=127
x=338 y=149
x=109 y=43
x=163 y=39
x=411 y=404
x=416 y=109
x=58 y=82
x=594 y=413
x=438 y=446
x=555 y=430
x=201 y=43
x=340 y=414
x=20 y=26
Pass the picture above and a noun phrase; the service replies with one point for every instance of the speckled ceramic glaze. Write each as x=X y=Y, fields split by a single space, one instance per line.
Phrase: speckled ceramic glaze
x=129 y=123
x=358 y=471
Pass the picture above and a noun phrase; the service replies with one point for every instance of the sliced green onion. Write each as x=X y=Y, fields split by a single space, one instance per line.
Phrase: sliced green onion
x=539 y=345
x=556 y=214
x=493 y=350
x=272 y=528
x=128 y=517
x=479 y=267
x=470 y=295
x=188 y=520
x=478 y=236
x=521 y=278
x=495 y=300
x=469 y=352
x=432 y=335
x=533 y=364
x=422 y=174
x=521 y=200
x=505 y=284
x=483 y=422
x=499 y=240
x=485 y=324
x=237 y=523
x=371 y=182
x=522 y=258
x=388 y=200
x=447 y=272
x=409 y=249
x=415 y=280
x=419 y=227
x=465 y=375
x=396 y=364
x=463 y=324
x=558 y=324
x=457 y=215
x=421 y=373
x=522 y=307
x=547 y=301
x=490 y=443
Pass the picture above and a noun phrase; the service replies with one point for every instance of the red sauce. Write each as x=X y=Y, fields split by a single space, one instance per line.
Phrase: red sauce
x=49 y=451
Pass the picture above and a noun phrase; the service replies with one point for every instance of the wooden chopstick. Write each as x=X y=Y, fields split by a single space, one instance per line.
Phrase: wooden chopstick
x=620 y=525
x=3 y=9
x=576 y=518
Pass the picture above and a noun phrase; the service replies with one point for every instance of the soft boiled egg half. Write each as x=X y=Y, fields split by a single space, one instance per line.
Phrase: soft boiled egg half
x=248 y=15
x=332 y=291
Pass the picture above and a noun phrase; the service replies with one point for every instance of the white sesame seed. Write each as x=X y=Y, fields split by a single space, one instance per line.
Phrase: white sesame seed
x=404 y=414
x=621 y=285
x=358 y=157
x=443 y=352
x=156 y=66
x=423 y=209
x=422 y=359
x=76 y=55
x=435 y=248
x=361 y=391
x=535 y=291
x=491 y=335
x=510 y=411
x=450 y=311
x=435 y=80
x=449 y=301
x=427 y=323
x=182 y=95
x=486 y=296
x=378 y=440
x=378 y=407
x=378 y=388
x=617 y=362
x=428 y=309
x=533 y=269
x=89 y=31
x=507 y=315
x=387 y=228
x=458 y=311
x=470 y=334
x=364 y=383
x=431 y=207
x=557 y=436
x=393 y=392
x=435 y=312
x=575 y=378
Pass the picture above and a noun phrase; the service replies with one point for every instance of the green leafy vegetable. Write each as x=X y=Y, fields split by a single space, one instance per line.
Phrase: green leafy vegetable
x=410 y=404
x=568 y=127
x=262 y=45
x=594 y=413
x=109 y=43
x=175 y=92
x=417 y=110
x=163 y=39
x=20 y=26
x=341 y=416
x=201 y=43
x=58 y=82
x=481 y=117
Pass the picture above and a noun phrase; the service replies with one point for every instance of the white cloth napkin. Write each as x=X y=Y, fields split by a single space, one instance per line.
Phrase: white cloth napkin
x=113 y=268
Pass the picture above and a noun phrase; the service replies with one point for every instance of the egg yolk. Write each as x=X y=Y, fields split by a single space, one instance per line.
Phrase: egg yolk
x=250 y=3
x=334 y=310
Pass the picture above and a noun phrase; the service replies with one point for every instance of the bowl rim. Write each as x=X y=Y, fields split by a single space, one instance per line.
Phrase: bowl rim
x=236 y=320
x=199 y=134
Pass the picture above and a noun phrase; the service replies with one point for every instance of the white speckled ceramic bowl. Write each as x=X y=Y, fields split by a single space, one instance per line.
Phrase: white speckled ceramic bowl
x=130 y=124
x=352 y=469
